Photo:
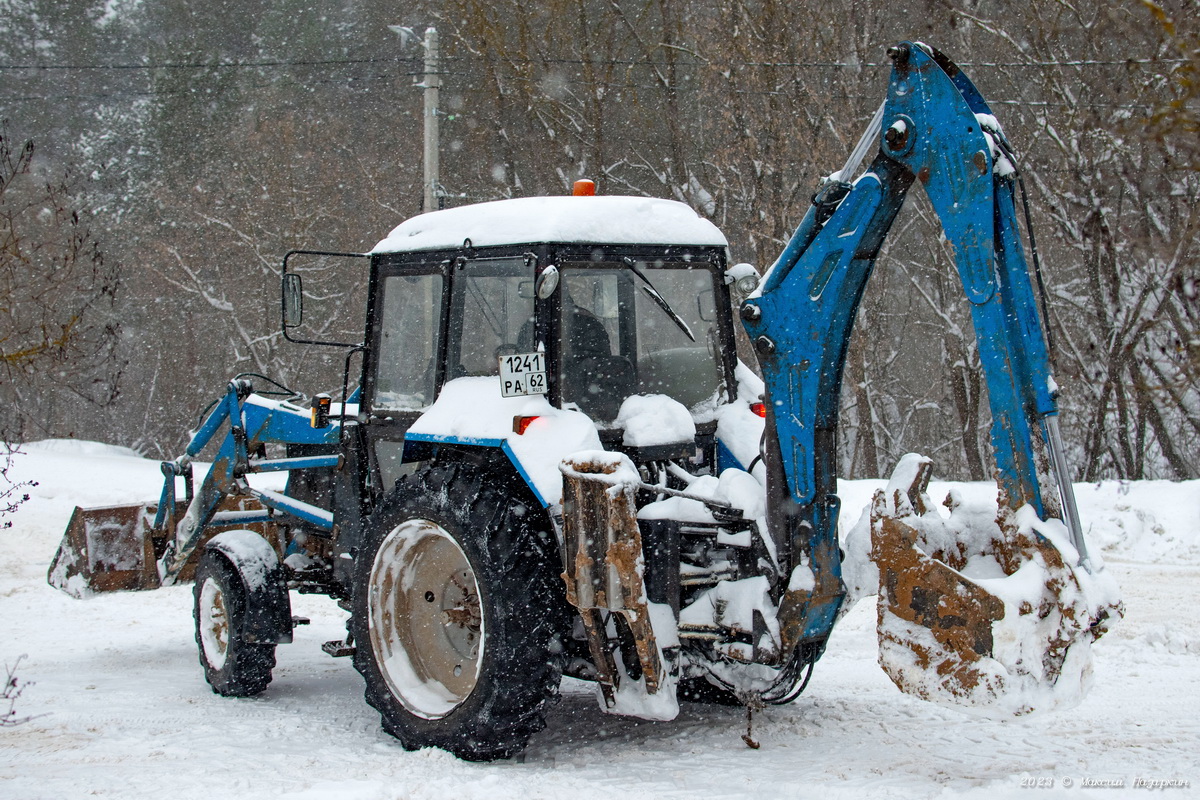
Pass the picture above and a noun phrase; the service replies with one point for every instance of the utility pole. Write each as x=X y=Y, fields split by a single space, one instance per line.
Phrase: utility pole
x=431 y=196
x=433 y=82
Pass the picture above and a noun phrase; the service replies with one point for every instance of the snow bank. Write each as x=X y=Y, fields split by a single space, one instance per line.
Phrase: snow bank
x=76 y=447
x=122 y=710
x=1142 y=521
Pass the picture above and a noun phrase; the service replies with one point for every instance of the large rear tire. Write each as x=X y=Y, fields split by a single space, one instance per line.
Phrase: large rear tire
x=232 y=667
x=457 y=603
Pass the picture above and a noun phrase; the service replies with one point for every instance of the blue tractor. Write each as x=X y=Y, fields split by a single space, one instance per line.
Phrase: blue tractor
x=553 y=463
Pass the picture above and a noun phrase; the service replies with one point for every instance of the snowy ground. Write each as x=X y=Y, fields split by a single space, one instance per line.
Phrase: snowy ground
x=122 y=709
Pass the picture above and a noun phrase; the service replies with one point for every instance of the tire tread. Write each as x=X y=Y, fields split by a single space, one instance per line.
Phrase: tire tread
x=513 y=558
x=247 y=668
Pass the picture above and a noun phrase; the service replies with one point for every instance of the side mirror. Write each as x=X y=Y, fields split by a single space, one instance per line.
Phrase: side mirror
x=293 y=300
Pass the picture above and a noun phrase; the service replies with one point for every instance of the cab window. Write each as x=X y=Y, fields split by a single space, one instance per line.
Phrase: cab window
x=619 y=339
x=491 y=314
x=409 y=331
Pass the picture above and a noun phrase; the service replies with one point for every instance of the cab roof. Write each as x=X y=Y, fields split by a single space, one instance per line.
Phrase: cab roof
x=605 y=219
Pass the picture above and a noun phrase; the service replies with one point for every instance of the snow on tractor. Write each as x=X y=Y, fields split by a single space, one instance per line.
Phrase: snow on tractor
x=554 y=464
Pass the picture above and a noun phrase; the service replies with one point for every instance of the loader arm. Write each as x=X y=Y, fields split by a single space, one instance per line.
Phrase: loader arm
x=801 y=318
x=248 y=421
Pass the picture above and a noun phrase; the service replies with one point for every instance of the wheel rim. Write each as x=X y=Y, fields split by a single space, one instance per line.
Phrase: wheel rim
x=426 y=623
x=214 y=624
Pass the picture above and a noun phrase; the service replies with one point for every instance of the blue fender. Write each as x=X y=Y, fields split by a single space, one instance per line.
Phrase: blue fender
x=254 y=561
x=470 y=412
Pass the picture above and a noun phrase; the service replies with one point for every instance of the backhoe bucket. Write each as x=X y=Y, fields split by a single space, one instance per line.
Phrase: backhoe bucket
x=116 y=548
x=979 y=612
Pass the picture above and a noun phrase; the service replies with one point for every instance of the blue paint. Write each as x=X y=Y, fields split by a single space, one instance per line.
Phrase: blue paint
x=288 y=464
x=819 y=619
x=809 y=302
x=294 y=507
x=726 y=459
x=468 y=441
x=516 y=462
x=444 y=438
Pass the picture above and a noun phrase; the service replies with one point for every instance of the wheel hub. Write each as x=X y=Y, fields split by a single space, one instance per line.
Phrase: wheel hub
x=214 y=624
x=426 y=622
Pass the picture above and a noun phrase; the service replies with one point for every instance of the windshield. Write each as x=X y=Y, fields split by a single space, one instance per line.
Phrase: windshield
x=491 y=314
x=619 y=339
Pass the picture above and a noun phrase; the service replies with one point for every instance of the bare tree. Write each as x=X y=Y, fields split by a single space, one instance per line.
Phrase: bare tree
x=57 y=331
x=1121 y=212
x=1175 y=120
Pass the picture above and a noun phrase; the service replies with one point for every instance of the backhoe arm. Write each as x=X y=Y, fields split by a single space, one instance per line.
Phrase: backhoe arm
x=938 y=626
x=801 y=321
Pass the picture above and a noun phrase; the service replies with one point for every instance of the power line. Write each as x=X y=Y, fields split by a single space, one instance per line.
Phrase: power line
x=980 y=64
x=201 y=65
x=578 y=82
x=162 y=92
x=492 y=60
x=792 y=91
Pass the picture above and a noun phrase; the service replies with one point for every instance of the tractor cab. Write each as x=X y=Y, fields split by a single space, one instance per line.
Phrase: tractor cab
x=557 y=298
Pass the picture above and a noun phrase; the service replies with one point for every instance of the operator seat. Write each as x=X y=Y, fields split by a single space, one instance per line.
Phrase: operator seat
x=593 y=377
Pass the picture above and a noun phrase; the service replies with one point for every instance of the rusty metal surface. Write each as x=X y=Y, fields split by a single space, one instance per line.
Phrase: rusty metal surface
x=799 y=607
x=115 y=548
x=604 y=569
x=927 y=592
x=945 y=621
x=105 y=550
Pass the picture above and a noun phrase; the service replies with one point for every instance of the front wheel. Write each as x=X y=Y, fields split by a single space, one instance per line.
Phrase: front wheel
x=457 y=603
x=232 y=667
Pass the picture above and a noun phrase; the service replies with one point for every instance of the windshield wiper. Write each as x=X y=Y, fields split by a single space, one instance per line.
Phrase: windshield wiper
x=659 y=300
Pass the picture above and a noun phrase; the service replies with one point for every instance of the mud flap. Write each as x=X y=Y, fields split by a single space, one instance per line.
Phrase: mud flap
x=985 y=614
x=115 y=548
x=604 y=579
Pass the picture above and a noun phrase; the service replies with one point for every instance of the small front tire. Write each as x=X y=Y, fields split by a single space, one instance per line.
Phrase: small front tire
x=232 y=667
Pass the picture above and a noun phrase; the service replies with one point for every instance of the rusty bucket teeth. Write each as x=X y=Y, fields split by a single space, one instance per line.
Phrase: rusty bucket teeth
x=992 y=618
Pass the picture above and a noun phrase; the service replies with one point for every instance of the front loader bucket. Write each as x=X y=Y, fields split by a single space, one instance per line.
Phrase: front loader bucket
x=116 y=548
x=983 y=613
x=106 y=550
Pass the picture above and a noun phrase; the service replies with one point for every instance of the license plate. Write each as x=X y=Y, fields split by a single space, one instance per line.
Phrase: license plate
x=522 y=374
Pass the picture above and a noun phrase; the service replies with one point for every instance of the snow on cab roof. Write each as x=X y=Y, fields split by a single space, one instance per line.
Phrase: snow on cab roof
x=532 y=220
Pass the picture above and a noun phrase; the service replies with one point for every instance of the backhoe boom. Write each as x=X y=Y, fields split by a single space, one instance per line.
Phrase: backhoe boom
x=802 y=317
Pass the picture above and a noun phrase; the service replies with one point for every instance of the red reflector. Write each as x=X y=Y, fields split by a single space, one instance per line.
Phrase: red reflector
x=521 y=424
x=584 y=188
x=760 y=409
